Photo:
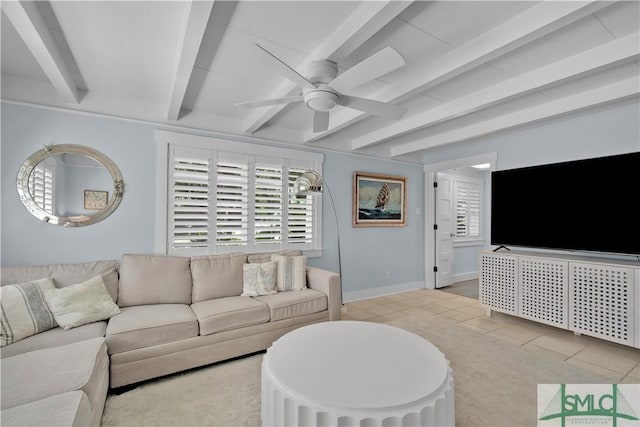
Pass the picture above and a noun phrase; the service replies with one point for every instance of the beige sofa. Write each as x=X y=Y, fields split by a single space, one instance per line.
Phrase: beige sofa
x=177 y=313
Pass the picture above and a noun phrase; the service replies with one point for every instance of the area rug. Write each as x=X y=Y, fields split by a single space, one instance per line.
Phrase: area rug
x=495 y=384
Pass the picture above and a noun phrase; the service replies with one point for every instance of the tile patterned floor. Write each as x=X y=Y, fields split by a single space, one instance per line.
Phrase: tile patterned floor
x=619 y=363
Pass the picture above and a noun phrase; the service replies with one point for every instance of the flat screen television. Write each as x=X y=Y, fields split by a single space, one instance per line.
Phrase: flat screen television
x=583 y=205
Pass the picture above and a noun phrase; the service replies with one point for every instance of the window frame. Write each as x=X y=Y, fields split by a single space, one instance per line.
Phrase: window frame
x=166 y=139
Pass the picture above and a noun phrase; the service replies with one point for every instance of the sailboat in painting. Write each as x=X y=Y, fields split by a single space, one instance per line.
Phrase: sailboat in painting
x=382 y=208
x=383 y=197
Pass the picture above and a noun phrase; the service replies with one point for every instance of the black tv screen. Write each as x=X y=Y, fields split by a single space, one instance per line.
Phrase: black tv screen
x=584 y=205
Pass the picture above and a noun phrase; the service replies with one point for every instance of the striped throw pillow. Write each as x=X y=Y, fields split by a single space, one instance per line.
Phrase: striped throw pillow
x=24 y=310
x=292 y=272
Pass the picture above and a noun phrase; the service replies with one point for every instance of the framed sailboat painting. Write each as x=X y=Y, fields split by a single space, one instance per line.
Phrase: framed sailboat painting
x=379 y=200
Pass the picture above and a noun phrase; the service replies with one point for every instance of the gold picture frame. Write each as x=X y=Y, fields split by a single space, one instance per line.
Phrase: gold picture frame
x=379 y=200
x=95 y=200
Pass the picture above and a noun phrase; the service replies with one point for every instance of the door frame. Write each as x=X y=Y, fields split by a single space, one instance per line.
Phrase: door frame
x=429 y=212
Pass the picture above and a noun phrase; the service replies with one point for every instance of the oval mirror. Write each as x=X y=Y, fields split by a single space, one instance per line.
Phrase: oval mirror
x=70 y=185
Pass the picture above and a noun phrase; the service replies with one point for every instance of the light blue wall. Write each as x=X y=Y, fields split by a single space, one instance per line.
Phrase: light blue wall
x=372 y=257
x=25 y=240
x=367 y=254
x=610 y=130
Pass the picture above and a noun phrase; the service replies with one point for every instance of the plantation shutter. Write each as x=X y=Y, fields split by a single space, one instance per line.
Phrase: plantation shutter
x=467 y=205
x=232 y=202
x=268 y=202
x=189 y=219
x=239 y=199
x=300 y=220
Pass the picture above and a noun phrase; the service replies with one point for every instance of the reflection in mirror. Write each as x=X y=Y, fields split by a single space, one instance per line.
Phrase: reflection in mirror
x=41 y=182
x=70 y=185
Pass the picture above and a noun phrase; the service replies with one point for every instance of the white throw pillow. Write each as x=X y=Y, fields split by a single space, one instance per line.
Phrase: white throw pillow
x=259 y=279
x=292 y=272
x=25 y=311
x=77 y=305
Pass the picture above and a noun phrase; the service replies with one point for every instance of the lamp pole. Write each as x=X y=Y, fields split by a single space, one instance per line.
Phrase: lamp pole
x=335 y=217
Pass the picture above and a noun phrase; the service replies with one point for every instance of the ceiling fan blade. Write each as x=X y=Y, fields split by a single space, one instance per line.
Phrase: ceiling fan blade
x=378 y=64
x=374 y=107
x=275 y=101
x=320 y=121
x=285 y=70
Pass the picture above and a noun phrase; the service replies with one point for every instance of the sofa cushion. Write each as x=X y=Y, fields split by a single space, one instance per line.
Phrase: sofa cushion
x=266 y=256
x=77 y=305
x=284 y=305
x=147 y=325
x=228 y=313
x=259 y=279
x=44 y=373
x=154 y=279
x=25 y=311
x=55 y=337
x=217 y=276
x=68 y=409
x=65 y=274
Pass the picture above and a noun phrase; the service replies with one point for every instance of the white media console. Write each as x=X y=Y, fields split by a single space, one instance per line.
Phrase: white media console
x=591 y=296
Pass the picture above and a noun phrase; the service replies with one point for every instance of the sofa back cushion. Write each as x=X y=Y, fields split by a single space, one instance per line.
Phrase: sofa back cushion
x=217 y=276
x=154 y=279
x=266 y=256
x=65 y=274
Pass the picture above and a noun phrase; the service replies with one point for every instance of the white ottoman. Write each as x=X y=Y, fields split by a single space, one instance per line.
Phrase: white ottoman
x=355 y=374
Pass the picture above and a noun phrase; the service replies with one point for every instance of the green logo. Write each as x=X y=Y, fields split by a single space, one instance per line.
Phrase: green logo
x=590 y=403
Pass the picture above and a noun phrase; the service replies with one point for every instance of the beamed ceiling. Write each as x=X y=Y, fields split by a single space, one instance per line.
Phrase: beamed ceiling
x=472 y=68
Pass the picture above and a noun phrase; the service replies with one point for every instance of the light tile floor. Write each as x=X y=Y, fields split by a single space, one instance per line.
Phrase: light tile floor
x=619 y=363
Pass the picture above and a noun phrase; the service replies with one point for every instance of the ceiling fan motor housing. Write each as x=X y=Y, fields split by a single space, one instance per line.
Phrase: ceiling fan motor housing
x=323 y=71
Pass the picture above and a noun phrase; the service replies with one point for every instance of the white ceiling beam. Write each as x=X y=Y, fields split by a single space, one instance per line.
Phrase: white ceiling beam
x=593 y=60
x=31 y=26
x=604 y=95
x=366 y=20
x=532 y=24
x=194 y=24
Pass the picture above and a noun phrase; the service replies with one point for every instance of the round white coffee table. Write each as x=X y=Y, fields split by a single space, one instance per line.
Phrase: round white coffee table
x=355 y=374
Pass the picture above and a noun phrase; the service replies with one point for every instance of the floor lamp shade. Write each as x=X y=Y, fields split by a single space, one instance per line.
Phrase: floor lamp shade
x=309 y=183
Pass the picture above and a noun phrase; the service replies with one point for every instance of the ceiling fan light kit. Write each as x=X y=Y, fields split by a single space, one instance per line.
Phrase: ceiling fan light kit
x=321 y=99
x=322 y=90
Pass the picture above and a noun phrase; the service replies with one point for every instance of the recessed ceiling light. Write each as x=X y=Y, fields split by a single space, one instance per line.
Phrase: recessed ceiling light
x=482 y=166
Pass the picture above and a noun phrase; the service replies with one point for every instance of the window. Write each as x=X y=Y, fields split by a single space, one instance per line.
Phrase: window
x=467 y=205
x=41 y=184
x=232 y=197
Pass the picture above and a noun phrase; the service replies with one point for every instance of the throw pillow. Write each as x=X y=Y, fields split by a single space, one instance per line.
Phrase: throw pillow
x=292 y=272
x=24 y=310
x=259 y=279
x=83 y=303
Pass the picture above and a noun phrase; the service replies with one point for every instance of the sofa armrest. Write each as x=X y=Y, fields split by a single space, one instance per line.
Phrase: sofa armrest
x=329 y=283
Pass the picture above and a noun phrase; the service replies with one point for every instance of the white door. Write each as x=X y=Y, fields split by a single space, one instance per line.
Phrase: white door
x=444 y=232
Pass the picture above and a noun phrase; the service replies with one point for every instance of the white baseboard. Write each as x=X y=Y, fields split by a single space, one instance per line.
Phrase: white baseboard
x=463 y=277
x=381 y=291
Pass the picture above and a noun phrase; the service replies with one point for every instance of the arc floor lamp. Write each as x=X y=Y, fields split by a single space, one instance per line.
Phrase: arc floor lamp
x=311 y=183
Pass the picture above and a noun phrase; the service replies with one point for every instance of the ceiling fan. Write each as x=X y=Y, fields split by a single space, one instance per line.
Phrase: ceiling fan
x=323 y=90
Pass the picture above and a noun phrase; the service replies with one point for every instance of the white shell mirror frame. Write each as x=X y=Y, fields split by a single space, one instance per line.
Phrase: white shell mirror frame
x=45 y=212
